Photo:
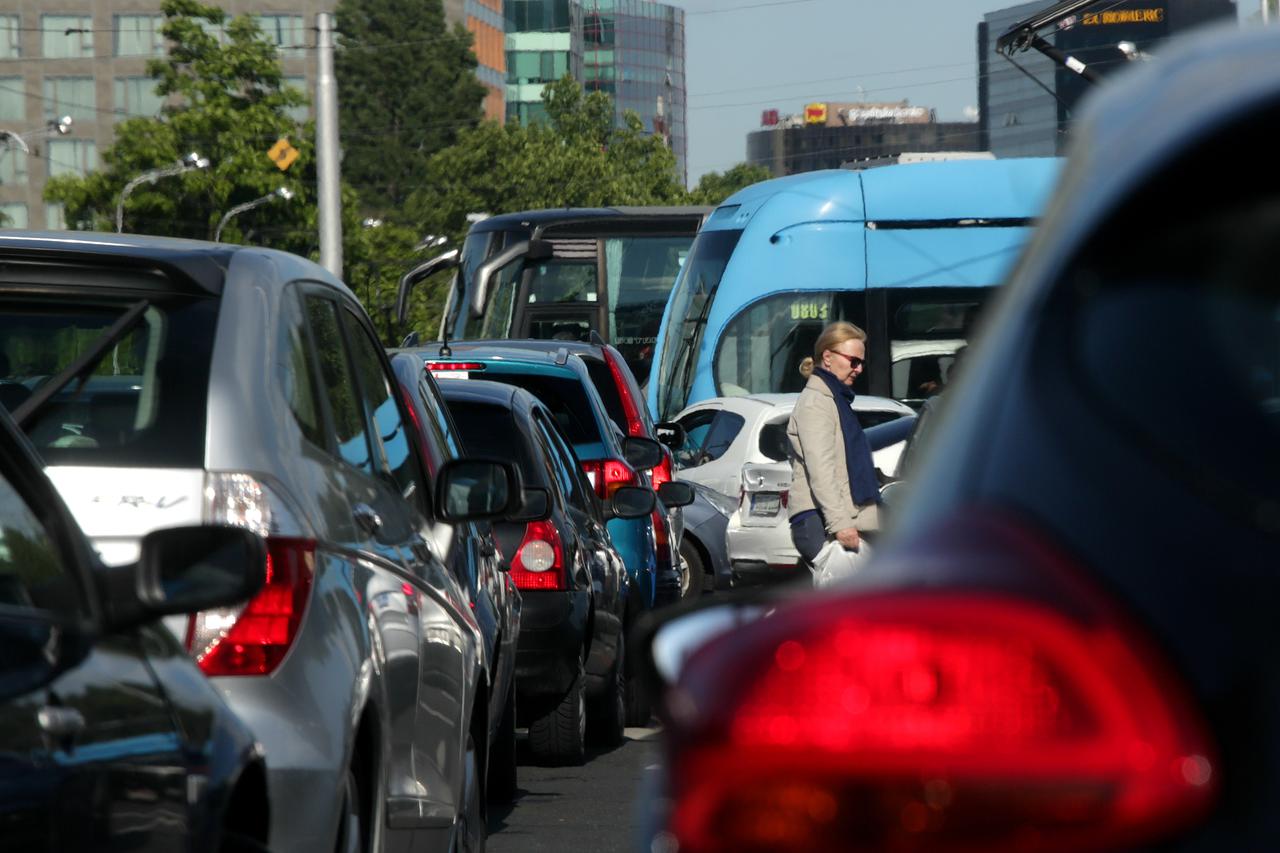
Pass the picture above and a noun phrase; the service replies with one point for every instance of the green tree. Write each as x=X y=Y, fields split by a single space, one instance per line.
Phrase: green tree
x=715 y=187
x=228 y=101
x=406 y=89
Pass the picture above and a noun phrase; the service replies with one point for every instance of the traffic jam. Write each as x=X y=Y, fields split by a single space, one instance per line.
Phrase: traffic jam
x=930 y=506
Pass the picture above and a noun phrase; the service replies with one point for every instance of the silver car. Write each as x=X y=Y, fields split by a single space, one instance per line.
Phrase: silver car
x=168 y=383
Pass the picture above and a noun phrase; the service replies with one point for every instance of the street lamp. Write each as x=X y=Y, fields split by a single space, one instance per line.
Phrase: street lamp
x=53 y=127
x=188 y=163
x=283 y=193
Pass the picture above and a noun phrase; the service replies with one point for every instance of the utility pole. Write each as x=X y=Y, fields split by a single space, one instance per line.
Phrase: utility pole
x=327 y=150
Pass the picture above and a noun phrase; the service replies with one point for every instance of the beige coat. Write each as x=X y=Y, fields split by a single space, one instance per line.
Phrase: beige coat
x=819 y=474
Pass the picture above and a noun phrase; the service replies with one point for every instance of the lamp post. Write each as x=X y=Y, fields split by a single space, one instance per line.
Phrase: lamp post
x=187 y=164
x=53 y=127
x=283 y=193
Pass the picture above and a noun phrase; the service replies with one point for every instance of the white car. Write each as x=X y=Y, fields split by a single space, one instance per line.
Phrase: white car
x=738 y=446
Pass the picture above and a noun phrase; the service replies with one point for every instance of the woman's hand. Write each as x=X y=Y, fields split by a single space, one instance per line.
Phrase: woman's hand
x=849 y=538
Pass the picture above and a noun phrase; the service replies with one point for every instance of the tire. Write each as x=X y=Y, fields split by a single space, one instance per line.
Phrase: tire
x=352 y=826
x=609 y=711
x=694 y=575
x=559 y=736
x=500 y=784
x=471 y=832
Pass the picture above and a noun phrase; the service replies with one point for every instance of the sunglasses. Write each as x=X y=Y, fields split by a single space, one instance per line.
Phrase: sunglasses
x=854 y=361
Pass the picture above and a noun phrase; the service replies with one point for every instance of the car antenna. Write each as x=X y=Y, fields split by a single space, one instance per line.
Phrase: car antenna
x=445 y=352
x=596 y=338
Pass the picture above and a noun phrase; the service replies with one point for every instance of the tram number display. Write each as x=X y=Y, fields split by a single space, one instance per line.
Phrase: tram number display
x=810 y=310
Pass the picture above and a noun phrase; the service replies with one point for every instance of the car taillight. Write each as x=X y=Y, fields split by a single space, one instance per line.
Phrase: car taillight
x=661 y=473
x=630 y=407
x=253 y=639
x=539 y=561
x=939 y=720
x=609 y=475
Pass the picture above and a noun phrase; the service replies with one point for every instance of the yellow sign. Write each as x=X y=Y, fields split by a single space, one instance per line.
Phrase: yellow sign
x=283 y=154
x=810 y=310
x=815 y=113
x=1124 y=16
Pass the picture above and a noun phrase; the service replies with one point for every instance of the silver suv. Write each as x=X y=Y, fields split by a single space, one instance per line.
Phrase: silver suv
x=168 y=383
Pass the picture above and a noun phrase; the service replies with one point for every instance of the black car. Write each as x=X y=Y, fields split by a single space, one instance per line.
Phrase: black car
x=471 y=551
x=570 y=659
x=1066 y=640
x=110 y=737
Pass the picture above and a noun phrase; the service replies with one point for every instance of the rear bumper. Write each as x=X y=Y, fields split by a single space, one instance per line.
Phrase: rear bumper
x=761 y=554
x=553 y=628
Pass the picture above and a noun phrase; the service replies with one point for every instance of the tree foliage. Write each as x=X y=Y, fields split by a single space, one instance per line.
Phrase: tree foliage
x=406 y=89
x=226 y=100
x=715 y=187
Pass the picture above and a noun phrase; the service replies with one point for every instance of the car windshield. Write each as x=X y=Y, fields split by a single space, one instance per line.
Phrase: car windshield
x=144 y=402
x=565 y=396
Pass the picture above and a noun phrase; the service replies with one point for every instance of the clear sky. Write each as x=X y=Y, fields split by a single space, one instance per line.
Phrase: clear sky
x=783 y=53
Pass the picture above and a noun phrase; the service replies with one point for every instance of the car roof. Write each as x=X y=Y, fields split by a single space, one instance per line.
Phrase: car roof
x=480 y=391
x=578 y=348
x=521 y=220
x=553 y=357
x=200 y=264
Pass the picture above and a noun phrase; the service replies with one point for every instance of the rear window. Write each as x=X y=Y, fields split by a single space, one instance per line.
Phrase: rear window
x=491 y=431
x=602 y=378
x=565 y=396
x=145 y=402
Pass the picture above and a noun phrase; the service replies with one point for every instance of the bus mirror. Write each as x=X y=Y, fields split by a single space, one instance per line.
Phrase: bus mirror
x=539 y=250
x=486 y=271
x=448 y=260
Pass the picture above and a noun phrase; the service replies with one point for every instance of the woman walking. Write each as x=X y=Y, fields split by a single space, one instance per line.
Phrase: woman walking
x=834 y=488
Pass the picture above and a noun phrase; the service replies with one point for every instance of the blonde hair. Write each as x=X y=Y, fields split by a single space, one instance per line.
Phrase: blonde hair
x=834 y=335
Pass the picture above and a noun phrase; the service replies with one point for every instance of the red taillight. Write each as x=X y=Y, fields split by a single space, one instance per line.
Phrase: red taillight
x=661 y=473
x=936 y=720
x=630 y=408
x=255 y=639
x=446 y=366
x=661 y=542
x=608 y=475
x=539 y=561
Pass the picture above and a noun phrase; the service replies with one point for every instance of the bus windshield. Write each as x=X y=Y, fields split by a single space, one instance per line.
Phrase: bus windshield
x=690 y=303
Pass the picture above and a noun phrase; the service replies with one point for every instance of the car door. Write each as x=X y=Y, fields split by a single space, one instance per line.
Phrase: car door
x=705 y=455
x=91 y=759
x=447 y=633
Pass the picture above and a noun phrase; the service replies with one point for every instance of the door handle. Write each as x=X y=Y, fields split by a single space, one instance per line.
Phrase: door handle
x=60 y=722
x=368 y=520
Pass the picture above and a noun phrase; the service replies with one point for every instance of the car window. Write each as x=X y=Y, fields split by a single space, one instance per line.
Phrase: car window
x=339 y=385
x=441 y=425
x=773 y=442
x=696 y=426
x=573 y=478
x=602 y=378
x=868 y=418
x=294 y=370
x=491 y=431
x=383 y=410
x=724 y=429
x=33 y=575
x=143 y=404
x=566 y=398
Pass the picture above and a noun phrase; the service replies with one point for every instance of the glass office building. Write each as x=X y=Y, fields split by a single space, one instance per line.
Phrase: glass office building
x=631 y=49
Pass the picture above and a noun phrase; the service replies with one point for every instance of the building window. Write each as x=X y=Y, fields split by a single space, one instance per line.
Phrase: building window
x=55 y=217
x=66 y=36
x=10 y=37
x=284 y=31
x=13 y=165
x=300 y=113
x=71 y=156
x=13 y=101
x=14 y=215
x=136 y=96
x=139 y=35
x=69 y=96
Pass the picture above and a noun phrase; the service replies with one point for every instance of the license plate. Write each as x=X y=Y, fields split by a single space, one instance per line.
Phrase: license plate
x=766 y=504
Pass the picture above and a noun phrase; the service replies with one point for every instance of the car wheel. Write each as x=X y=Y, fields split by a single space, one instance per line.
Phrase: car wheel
x=500 y=785
x=352 y=826
x=471 y=832
x=609 y=711
x=694 y=574
x=559 y=736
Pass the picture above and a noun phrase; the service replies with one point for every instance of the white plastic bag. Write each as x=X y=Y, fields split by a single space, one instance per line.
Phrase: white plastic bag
x=835 y=563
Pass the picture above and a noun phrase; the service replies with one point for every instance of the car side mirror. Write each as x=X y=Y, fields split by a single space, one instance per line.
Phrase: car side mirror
x=642 y=453
x=535 y=505
x=674 y=494
x=476 y=490
x=671 y=434
x=630 y=502
x=185 y=569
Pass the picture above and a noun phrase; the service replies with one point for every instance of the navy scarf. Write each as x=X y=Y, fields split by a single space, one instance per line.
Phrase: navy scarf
x=863 y=483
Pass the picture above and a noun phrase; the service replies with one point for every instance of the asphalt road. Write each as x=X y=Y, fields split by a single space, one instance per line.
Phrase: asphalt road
x=595 y=808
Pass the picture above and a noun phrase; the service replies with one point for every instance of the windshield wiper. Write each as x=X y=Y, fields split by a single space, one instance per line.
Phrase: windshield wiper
x=81 y=366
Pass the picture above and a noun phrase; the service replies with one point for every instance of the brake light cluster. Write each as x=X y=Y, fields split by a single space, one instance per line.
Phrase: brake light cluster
x=539 y=561
x=940 y=721
x=255 y=638
x=609 y=475
x=630 y=409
